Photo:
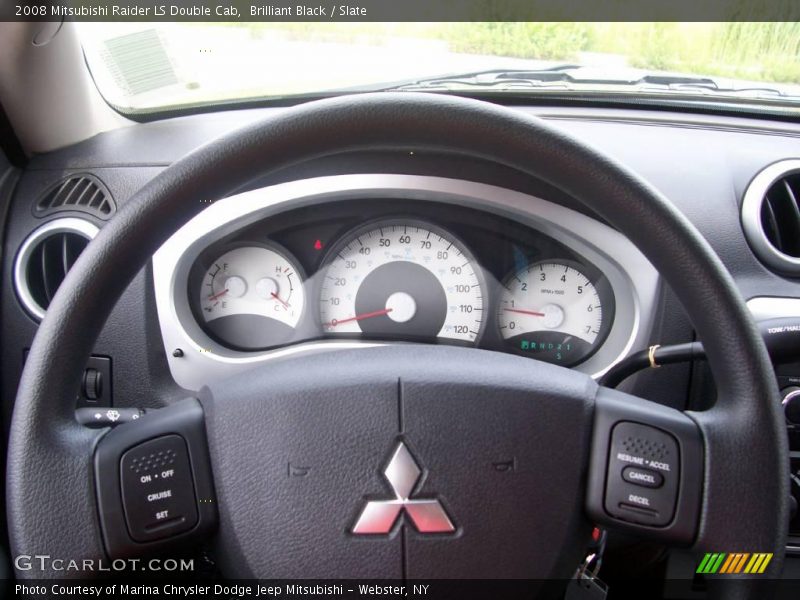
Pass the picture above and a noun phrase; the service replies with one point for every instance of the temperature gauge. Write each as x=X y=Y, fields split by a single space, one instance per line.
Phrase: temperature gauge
x=251 y=297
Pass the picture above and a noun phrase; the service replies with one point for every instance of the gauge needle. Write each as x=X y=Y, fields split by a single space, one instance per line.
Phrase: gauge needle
x=217 y=295
x=369 y=315
x=279 y=299
x=525 y=312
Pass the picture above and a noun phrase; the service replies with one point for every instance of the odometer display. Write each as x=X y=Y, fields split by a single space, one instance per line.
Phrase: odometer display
x=404 y=280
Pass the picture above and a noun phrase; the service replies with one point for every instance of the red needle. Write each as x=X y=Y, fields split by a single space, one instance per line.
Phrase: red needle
x=368 y=315
x=525 y=312
x=278 y=298
x=215 y=296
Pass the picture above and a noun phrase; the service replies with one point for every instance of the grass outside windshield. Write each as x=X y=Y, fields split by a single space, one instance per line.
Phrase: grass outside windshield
x=149 y=66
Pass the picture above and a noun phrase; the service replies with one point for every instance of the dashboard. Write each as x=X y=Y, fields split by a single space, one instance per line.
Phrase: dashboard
x=160 y=341
x=366 y=259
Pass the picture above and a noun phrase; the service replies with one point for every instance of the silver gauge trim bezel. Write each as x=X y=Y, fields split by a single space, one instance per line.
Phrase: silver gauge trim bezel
x=633 y=279
x=50 y=228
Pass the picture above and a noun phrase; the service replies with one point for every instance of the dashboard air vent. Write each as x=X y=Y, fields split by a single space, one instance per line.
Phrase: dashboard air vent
x=45 y=258
x=84 y=193
x=771 y=216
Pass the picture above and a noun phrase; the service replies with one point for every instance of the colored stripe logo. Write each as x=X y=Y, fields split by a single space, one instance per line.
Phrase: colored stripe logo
x=734 y=563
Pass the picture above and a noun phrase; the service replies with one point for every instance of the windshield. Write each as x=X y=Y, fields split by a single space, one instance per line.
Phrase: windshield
x=146 y=67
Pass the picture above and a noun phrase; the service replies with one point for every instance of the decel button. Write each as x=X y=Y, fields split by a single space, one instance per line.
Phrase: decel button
x=158 y=493
x=643 y=477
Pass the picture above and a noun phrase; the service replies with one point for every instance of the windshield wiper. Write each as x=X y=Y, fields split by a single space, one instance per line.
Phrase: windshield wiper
x=588 y=79
x=490 y=77
x=467 y=78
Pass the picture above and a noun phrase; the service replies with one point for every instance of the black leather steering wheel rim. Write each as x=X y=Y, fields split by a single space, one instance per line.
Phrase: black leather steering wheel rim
x=746 y=454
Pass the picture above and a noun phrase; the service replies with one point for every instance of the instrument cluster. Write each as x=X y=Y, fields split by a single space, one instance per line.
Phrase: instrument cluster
x=400 y=271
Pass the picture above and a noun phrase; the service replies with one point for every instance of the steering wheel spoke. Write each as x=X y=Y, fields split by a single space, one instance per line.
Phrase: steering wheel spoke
x=645 y=468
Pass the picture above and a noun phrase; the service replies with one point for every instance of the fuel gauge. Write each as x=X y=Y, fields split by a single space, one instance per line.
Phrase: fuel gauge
x=251 y=297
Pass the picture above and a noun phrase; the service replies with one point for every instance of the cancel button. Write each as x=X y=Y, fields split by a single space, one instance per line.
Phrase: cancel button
x=643 y=477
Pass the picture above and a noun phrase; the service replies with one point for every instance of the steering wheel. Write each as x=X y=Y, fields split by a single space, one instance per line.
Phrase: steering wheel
x=401 y=461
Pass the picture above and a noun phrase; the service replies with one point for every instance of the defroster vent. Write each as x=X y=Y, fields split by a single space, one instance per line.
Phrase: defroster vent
x=83 y=193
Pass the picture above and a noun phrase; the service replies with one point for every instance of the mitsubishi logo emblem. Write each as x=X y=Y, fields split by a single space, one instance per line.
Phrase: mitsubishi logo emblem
x=379 y=516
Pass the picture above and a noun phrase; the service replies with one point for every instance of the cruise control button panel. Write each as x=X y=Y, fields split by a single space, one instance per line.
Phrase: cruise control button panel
x=157 y=489
x=643 y=474
x=645 y=468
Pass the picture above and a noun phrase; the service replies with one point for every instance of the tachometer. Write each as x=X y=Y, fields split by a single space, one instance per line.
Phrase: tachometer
x=404 y=280
x=553 y=311
x=251 y=297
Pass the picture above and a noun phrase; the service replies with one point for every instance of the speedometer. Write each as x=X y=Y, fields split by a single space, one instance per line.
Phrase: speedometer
x=402 y=279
